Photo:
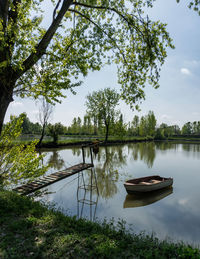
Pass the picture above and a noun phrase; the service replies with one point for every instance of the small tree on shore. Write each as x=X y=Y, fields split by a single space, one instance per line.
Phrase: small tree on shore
x=55 y=130
x=45 y=113
x=18 y=163
x=101 y=104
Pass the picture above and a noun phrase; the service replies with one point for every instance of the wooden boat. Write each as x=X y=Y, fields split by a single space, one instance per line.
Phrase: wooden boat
x=147 y=184
x=146 y=198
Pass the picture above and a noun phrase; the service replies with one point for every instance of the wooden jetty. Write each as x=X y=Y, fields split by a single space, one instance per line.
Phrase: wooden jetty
x=54 y=177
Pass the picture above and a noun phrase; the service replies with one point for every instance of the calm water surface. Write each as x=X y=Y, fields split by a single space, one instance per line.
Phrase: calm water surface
x=172 y=214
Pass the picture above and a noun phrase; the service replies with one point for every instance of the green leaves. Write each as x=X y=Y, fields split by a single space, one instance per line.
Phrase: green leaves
x=18 y=163
x=92 y=34
x=195 y=5
x=101 y=104
x=55 y=130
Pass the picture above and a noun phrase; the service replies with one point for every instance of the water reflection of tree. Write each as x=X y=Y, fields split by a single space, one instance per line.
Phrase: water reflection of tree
x=107 y=163
x=191 y=149
x=55 y=161
x=163 y=146
x=143 y=151
x=76 y=151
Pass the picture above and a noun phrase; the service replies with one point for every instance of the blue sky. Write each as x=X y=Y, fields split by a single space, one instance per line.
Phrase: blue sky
x=177 y=99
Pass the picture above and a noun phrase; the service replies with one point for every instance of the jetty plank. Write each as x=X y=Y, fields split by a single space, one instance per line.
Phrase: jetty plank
x=52 y=178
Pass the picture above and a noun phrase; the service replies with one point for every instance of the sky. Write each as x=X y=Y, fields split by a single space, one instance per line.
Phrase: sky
x=176 y=101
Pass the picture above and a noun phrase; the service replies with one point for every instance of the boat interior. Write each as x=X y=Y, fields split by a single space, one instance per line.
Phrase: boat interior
x=147 y=180
x=150 y=182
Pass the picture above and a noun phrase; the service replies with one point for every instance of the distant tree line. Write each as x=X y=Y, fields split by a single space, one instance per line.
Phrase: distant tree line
x=144 y=126
x=103 y=119
x=53 y=130
x=140 y=126
x=29 y=127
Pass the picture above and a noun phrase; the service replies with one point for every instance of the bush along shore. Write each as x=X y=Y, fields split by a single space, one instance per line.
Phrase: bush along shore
x=29 y=229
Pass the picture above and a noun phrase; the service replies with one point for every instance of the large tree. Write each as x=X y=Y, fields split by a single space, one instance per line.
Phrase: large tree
x=83 y=35
x=102 y=104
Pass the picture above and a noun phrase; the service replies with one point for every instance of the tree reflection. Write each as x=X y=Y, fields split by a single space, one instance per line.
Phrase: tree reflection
x=143 y=151
x=76 y=151
x=55 y=161
x=191 y=147
x=163 y=146
x=108 y=160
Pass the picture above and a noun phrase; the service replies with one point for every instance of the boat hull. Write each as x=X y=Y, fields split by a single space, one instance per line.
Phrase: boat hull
x=147 y=184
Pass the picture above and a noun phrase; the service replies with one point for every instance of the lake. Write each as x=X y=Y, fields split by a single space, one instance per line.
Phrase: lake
x=173 y=213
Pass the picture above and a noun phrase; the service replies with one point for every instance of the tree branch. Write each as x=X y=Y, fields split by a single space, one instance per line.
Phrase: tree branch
x=43 y=44
x=87 y=18
x=14 y=11
x=4 y=4
x=12 y=18
x=54 y=12
x=4 y=11
x=110 y=9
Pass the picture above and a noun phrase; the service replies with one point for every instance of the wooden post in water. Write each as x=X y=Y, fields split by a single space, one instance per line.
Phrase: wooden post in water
x=83 y=154
x=91 y=155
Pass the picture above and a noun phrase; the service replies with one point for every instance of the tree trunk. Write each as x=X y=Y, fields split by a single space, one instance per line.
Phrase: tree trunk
x=107 y=129
x=42 y=135
x=6 y=98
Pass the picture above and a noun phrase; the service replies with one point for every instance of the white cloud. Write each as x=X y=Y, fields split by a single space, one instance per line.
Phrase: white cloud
x=16 y=104
x=185 y=71
x=183 y=201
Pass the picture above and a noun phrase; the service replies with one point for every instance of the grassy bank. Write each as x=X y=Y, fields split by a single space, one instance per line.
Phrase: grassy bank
x=30 y=230
x=79 y=140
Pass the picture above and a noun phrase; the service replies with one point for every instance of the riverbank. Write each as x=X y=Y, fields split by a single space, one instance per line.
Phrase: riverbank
x=79 y=141
x=31 y=230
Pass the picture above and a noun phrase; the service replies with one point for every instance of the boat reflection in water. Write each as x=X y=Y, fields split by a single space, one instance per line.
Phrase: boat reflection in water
x=144 y=199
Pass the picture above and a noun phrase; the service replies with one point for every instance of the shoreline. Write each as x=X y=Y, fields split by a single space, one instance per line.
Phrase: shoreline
x=32 y=230
x=115 y=142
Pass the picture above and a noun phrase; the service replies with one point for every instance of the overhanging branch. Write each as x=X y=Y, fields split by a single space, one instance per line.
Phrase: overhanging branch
x=43 y=44
x=113 y=10
x=95 y=24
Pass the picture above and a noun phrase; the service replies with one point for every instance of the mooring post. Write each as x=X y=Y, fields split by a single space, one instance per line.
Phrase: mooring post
x=83 y=154
x=91 y=155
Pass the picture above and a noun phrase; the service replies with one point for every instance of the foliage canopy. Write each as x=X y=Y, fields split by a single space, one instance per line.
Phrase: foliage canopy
x=194 y=4
x=83 y=36
x=101 y=105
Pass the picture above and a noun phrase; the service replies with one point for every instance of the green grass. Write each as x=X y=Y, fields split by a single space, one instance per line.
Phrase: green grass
x=188 y=139
x=31 y=230
x=76 y=139
x=79 y=139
